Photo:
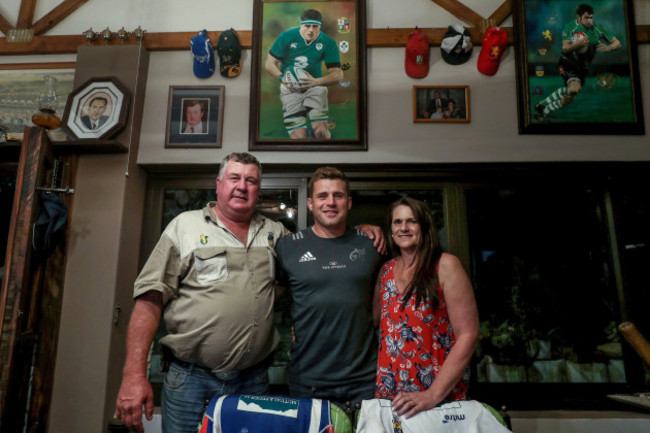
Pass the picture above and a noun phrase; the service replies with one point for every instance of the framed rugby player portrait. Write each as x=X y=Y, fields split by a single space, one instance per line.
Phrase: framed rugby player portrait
x=308 y=79
x=577 y=67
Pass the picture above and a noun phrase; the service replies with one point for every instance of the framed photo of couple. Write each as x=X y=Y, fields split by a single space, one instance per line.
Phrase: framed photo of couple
x=308 y=80
x=577 y=67
x=195 y=116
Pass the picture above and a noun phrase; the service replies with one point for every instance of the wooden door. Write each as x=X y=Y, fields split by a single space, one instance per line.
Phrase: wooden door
x=30 y=300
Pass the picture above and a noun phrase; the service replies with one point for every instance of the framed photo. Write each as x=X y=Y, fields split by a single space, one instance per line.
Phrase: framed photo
x=441 y=104
x=195 y=116
x=97 y=109
x=308 y=79
x=577 y=68
x=20 y=85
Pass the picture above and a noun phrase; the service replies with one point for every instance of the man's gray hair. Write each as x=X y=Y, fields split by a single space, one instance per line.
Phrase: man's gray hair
x=243 y=157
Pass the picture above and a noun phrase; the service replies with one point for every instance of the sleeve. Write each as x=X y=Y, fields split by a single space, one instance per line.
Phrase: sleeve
x=332 y=58
x=605 y=35
x=162 y=271
x=278 y=48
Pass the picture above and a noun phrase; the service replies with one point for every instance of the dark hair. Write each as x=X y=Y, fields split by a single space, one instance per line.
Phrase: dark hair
x=98 y=98
x=327 y=173
x=312 y=14
x=243 y=157
x=584 y=8
x=428 y=251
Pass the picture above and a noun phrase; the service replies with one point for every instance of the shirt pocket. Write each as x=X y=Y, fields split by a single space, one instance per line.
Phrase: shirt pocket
x=210 y=265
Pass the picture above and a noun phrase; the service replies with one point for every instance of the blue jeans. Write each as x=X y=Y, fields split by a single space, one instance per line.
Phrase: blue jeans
x=188 y=388
x=340 y=395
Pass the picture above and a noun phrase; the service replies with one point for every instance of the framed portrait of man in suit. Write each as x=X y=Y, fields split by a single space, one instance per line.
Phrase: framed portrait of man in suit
x=194 y=116
x=97 y=109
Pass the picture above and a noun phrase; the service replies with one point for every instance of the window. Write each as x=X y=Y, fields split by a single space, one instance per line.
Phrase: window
x=539 y=244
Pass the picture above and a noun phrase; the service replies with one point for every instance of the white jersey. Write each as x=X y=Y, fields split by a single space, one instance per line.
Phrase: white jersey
x=470 y=416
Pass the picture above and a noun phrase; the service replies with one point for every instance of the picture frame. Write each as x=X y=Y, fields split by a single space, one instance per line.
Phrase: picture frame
x=195 y=116
x=96 y=110
x=20 y=85
x=608 y=98
x=342 y=124
x=441 y=104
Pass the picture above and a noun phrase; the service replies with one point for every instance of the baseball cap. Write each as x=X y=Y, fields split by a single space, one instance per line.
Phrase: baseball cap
x=456 y=46
x=203 y=55
x=417 y=55
x=495 y=43
x=229 y=50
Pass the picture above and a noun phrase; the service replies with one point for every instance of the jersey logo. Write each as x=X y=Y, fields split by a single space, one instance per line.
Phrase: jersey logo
x=319 y=46
x=343 y=25
x=293 y=45
x=358 y=254
x=204 y=239
x=307 y=257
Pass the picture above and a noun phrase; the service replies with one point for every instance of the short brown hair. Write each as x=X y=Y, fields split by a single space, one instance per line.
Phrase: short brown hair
x=327 y=173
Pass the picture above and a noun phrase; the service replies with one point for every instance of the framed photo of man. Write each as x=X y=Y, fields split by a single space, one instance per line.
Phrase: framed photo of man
x=445 y=104
x=97 y=109
x=577 y=67
x=195 y=116
x=308 y=80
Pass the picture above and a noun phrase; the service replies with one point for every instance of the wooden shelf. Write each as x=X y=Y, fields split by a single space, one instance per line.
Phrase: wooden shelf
x=180 y=41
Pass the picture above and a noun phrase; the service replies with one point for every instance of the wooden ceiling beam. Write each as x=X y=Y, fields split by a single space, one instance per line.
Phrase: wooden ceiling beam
x=179 y=41
x=56 y=15
x=460 y=11
x=5 y=25
x=502 y=12
x=26 y=14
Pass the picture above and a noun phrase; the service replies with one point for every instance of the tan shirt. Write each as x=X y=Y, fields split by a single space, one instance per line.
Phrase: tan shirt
x=218 y=294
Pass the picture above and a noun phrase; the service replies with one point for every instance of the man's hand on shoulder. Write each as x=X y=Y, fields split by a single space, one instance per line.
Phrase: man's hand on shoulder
x=375 y=233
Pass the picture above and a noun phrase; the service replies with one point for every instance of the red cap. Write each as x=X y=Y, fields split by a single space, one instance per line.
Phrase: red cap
x=416 y=62
x=495 y=43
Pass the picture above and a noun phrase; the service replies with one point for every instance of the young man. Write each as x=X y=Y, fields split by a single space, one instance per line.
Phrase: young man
x=330 y=270
x=581 y=40
x=305 y=49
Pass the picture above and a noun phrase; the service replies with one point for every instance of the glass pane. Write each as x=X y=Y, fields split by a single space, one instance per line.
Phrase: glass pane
x=547 y=302
x=632 y=209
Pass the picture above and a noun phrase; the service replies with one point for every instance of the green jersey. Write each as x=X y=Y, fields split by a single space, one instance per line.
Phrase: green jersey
x=596 y=35
x=290 y=48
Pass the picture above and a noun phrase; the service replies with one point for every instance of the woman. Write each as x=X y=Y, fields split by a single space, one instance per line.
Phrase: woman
x=425 y=307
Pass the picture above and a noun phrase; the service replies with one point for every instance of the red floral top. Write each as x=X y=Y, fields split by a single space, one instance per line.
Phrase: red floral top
x=413 y=344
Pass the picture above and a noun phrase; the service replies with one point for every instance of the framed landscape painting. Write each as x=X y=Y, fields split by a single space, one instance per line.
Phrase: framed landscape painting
x=577 y=67
x=20 y=85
